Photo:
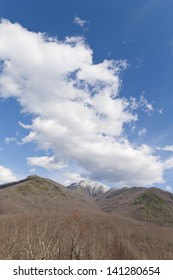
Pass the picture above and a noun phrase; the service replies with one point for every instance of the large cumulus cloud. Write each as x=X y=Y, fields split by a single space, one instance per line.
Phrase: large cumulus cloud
x=77 y=111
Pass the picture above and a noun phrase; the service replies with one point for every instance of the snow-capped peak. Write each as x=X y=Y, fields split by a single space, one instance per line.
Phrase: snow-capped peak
x=93 y=188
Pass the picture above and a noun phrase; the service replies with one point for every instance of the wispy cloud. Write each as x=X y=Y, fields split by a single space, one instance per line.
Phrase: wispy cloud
x=10 y=140
x=80 y=22
x=142 y=132
x=142 y=103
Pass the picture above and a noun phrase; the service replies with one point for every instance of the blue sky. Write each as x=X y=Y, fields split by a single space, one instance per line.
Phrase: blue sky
x=92 y=97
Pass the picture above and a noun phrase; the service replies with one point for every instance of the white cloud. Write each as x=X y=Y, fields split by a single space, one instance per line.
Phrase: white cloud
x=167 y=148
x=168 y=164
x=73 y=177
x=169 y=189
x=142 y=132
x=160 y=111
x=6 y=175
x=32 y=170
x=133 y=128
x=47 y=162
x=142 y=104
x=148 y=107
x=10 y=139
x=79 y=21
x=76 y=108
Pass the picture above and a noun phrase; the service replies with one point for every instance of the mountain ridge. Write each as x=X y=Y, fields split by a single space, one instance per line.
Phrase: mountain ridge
x=34 y=192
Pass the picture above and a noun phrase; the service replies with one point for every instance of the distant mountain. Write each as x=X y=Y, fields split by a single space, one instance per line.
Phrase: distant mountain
x=93 y=188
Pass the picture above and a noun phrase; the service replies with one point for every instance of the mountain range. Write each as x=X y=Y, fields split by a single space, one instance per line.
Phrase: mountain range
x=38 y=210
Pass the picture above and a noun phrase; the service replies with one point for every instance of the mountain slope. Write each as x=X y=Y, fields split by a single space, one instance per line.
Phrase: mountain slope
x=147 y=204
x=38 y=194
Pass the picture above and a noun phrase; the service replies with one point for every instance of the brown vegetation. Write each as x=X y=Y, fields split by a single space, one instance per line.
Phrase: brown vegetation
x=40 y=219
x=79 y=236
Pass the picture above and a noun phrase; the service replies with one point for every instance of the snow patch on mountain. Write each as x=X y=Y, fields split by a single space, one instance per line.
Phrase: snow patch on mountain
x=93 y=188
